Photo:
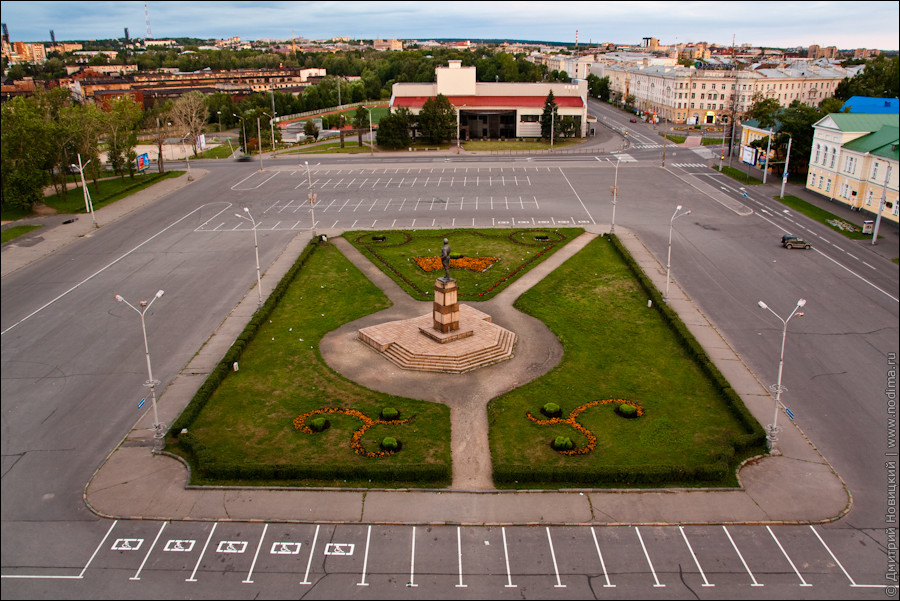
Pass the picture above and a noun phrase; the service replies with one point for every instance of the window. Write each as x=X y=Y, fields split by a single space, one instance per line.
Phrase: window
x=869 y=199
x=875 y=171
x=833 y=155
x=828 y=185
x=816 y=160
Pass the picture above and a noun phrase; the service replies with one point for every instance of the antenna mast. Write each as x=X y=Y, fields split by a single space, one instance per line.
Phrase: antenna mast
x=147 y=15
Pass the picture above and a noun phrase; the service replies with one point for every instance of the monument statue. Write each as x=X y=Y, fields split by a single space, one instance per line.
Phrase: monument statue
x=445 y=260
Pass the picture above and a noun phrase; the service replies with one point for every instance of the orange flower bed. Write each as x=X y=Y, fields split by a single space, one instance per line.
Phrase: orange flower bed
x=478 y=264
x=355 y=444
x=572 y=421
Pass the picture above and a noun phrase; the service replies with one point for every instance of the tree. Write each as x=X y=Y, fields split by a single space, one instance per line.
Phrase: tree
x=311 y=129
x=121 y=122
x=879 y=79
x=24 y=152
x=393 y=129
x=189 y=114
x=797 y=121
x=361 y=118
x=437 y=120
x=598 y=87
x=764 y=110
x=157 y=120
x=550 y=118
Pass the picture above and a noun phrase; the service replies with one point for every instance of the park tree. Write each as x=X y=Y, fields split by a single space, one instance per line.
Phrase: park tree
x=598 y=87
x=24 y=153
x=311 y=129
x=393 y=129
x=361 y=118
x=879 y=79
x=550 y=118
x=764 y=110
x=189 y=115
x=437 y=120
x=121 y=122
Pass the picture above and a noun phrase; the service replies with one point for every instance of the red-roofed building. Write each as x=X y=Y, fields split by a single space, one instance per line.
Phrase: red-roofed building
x=494 y=110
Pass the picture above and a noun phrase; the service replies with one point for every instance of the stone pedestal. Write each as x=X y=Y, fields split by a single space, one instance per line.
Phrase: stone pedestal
x=445 y=311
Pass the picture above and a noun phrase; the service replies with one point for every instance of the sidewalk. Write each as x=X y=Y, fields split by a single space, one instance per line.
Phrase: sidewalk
x=132 y=483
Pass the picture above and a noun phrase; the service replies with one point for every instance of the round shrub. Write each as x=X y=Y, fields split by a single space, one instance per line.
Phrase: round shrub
x=389 y=443
x=551 y=410
x=562 y=443
x=626 y=410
x=319 y=424
x=389 y=413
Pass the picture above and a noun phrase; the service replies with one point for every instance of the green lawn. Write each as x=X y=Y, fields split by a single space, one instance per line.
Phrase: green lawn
x=105 y=191
x=824 y=217
x=248 y=420
x=740 y=175
x=497 y=145
x=14 y=232
x=615 y=348
x=517 y=250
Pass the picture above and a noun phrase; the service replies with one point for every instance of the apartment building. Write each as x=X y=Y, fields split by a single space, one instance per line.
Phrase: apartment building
x=854 y=160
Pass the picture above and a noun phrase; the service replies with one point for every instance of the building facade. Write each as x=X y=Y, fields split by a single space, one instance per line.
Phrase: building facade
x=854 y=161
x=494 y=110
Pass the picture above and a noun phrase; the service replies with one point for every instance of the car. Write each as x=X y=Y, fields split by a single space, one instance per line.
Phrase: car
x=244 y=158
x=633 y=120
x=796 y=242
x=787 y=237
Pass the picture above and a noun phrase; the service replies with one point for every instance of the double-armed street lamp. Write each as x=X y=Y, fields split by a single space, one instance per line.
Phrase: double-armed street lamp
x=615 y=191
x=773 y=427
x=158 y=428
x=249 y=218
x=675 y=215
x=371 y=135
x=312 y=200
x=272 y=129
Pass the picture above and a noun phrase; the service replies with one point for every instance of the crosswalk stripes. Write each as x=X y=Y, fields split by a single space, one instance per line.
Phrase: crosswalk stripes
x=689 y=164
x=625 y=158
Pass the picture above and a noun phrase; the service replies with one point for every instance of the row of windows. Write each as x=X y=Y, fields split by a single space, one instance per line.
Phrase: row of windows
x=846 y=191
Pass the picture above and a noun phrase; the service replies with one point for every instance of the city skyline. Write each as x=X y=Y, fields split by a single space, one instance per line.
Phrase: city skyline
x=774 y=24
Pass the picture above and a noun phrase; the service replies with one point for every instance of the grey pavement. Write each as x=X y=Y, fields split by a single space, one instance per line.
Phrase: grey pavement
x=800 y=486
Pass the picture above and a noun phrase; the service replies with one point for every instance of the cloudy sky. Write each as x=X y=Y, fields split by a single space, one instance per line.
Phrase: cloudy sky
x=843 y=24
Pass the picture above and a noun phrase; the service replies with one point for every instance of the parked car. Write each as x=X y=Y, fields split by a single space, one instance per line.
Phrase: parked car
x=633 y=120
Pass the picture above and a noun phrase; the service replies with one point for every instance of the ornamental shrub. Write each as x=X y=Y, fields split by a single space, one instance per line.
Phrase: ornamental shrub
x=626 y=410
x=551 y=410
x=319 y=424
x=389 y=413
x=562 y=443
x=389 y=443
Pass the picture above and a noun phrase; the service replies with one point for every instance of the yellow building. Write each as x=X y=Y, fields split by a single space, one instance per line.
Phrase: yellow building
x=854 y=161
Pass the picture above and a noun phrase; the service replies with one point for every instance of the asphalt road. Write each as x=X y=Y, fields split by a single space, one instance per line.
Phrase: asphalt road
x=73 y=373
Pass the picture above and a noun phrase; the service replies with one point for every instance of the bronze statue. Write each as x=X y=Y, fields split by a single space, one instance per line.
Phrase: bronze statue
x=445 y=260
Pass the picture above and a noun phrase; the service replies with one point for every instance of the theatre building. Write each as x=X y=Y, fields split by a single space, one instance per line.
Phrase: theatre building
x=495 y=110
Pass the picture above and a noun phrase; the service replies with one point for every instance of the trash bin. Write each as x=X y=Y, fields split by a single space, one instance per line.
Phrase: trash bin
x=868 y=227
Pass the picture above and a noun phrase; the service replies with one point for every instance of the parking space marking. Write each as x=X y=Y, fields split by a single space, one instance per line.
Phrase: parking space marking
x=366 y=558
x=202 y=553
x=558 y=584
x=177 y=545
x=752 y=577
x=137 y=575
x=312 y=550
x=459 y=557
x=249 y=578
x=509 y=583
x=684 y=536
x=802 y=581
x=127 y=544
x=647 y=555
x=412 y=561
x=602 y=563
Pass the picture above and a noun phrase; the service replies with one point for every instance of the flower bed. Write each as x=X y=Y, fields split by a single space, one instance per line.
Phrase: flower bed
x=477 y=264
x=355 y=444
x=572 y=421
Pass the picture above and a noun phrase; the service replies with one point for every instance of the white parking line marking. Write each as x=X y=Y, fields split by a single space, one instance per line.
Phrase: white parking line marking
x=311 y=551
x=459 y=557
x=506 y=555
x=102 y=542
x=137 y=575
x=202 y=553
x=602 y=563
x=249 y=579
x=803 y=582
x=684 y=536
x=752 y=577
x=647 y=555
x=412 y=561
x=840 y=565
x=553 y=555
x=365 y=559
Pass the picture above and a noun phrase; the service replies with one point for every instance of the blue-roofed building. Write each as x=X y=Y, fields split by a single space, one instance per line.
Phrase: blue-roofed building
x=872 y=106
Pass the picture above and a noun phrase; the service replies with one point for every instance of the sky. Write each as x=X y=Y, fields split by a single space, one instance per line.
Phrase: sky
x=847 y=25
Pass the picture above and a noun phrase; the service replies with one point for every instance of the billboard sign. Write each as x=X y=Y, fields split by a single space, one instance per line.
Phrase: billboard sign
x=749 y=155
x=143 y=162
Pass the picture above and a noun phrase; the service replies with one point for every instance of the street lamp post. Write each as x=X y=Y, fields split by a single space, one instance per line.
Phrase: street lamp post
x=88 y=204
x=243 y=129
x=312 y=200
x=259 y=142
x=615 y=191
x=158 y=428
x=371 y=135
x=187 y=159
x=773 y=429
x=219 y=113
x=675 y=215
x=272 y=128
x=249 y=218
x=787 y=160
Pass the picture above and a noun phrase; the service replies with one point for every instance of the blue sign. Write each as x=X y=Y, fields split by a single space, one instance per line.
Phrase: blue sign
x=141 y=404
x=790 y=413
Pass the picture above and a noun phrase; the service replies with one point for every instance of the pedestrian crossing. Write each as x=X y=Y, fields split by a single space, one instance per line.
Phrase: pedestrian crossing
x=689 y=165
x=625 y=158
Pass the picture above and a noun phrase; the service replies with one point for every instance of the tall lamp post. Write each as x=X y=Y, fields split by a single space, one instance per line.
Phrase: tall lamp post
x=773 y=427
x=187 y=159
x=88 y=204
x=312 y=200
x=675 y=215
x=371 y=135
x=272 y=128
x=243 y=129
x=249 y=218
x=615 y=191
x=158 y=428
x=259 y=142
